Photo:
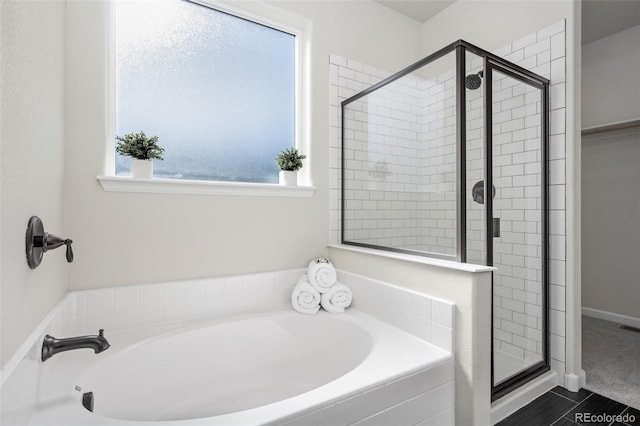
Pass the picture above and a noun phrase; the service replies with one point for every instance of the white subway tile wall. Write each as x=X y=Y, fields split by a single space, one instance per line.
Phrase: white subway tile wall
x=401 y=175
x=400 y=161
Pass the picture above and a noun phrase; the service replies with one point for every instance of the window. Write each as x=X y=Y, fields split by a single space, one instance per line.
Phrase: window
x=218 y=90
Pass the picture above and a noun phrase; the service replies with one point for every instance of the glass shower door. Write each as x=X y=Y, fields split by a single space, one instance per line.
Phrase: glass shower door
x=518 y=226
x=448 y=158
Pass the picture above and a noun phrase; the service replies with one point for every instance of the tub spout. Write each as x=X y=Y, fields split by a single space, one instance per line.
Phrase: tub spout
x=52 y=346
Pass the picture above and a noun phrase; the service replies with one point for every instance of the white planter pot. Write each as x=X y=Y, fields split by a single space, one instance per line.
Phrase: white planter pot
x=141 y=169
x=288 y=178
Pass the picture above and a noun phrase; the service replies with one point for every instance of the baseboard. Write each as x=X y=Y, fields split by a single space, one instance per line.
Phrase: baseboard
x=613 y=317
x=574 y=382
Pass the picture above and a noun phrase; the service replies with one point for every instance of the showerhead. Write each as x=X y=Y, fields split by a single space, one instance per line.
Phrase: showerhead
x=473 y=81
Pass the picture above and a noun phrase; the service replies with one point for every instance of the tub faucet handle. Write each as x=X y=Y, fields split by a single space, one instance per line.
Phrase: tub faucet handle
x=68 y=243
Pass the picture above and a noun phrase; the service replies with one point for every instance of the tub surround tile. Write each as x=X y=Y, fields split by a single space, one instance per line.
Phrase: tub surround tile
x=425 y=317
x=442 y=313
x=125 y=297
x=442 y=418
x=72 y=314
x=197 y=290
x=151 y=304
x=123 y=318
x=441 y=336
x=174 y=292
x=422 y=307
x=167 y=305
x=414 y=410
x=173 y=312
x=16 y=389
x=22 y=374
x=233 y=285
x=150 y=295
x=149 y=316
x=428 y=391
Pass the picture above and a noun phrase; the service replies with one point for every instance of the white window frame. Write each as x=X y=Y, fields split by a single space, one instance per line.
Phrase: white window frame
x=259 y=13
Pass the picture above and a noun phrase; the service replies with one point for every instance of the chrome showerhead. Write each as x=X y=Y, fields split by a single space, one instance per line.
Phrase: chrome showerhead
x=473 y=81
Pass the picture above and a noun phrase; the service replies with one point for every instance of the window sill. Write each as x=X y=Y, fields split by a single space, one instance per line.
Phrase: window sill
x=200 y=187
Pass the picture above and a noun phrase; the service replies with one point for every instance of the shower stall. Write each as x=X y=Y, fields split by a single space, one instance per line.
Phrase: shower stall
x=447 y=158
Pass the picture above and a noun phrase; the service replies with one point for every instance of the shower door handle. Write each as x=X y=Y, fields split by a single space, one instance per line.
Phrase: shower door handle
x=496 y=227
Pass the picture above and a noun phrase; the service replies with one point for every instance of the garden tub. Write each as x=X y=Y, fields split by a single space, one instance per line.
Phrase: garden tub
x=277 y=367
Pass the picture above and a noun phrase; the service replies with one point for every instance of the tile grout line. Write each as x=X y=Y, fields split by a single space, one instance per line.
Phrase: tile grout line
x=565 y=397
x=624 y=411
x=560 y=418
x=577 y=405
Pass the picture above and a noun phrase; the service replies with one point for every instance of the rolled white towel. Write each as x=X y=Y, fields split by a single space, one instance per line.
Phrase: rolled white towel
x=337 y=298
x=305 y=298
x=321 y=274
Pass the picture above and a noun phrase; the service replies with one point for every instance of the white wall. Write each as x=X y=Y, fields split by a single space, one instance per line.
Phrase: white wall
x=610 y=229
x=611 y=172
x=136 y=238
x=32 y=114
x=610 y=86
x=125 y=238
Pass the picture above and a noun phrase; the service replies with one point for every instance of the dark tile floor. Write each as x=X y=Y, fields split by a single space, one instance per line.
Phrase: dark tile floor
x=559 y=407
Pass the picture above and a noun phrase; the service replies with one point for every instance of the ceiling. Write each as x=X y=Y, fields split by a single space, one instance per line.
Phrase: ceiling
x=600 y=18
x=420 y=11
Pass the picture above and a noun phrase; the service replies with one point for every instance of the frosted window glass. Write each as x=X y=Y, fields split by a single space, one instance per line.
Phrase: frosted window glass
x=218 y=90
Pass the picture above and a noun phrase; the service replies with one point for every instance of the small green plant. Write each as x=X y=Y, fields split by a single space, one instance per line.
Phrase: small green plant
x=290 y=160
x=139 y=146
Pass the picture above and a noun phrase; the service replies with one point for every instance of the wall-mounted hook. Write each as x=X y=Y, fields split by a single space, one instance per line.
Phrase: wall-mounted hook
x=39 y=242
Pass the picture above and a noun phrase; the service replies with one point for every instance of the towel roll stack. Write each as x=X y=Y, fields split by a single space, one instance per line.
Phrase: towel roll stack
x=320 y=287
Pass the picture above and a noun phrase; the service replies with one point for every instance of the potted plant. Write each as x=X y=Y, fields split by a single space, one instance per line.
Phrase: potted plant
x=289 y=162
x=142 y=150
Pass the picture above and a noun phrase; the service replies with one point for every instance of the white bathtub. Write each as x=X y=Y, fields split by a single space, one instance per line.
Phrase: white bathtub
x=270 y=368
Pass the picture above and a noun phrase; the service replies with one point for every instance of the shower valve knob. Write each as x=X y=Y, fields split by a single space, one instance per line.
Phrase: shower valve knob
x=39 y=242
